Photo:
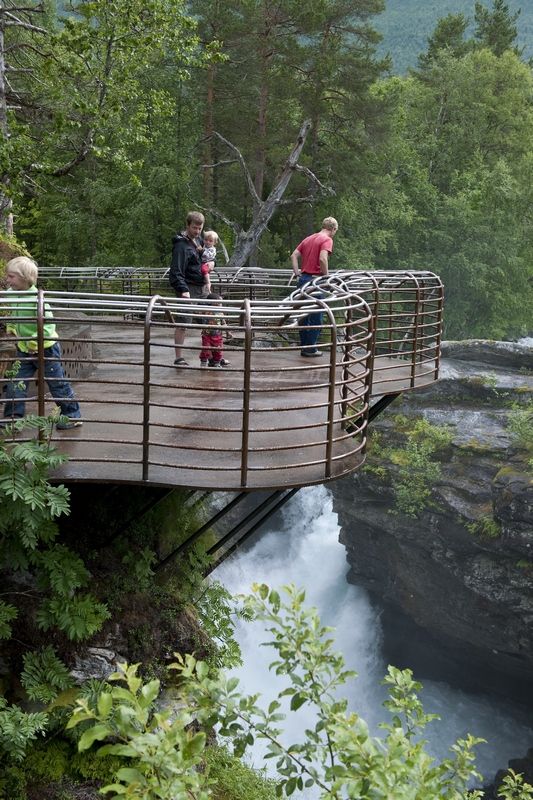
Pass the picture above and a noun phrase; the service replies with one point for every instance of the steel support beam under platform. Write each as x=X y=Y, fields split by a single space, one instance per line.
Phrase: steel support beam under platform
x=252 y=519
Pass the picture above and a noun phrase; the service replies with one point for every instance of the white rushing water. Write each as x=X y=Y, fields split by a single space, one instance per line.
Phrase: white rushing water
x=304 y=550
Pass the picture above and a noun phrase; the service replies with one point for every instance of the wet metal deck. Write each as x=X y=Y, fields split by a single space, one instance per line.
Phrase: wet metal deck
x=195 y=434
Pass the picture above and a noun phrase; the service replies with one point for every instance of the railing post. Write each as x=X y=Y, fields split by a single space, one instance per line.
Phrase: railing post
x=439 y=331
x=247 y=378
x=146 y=387
x=40 y=358
x=331 y=397
x=415 y=333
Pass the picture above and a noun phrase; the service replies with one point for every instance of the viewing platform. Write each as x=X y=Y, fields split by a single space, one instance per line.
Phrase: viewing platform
x=272 y=418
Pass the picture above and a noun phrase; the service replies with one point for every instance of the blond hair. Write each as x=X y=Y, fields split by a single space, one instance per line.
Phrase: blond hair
x=211 y=235
x=24 y=267
x=330 y=224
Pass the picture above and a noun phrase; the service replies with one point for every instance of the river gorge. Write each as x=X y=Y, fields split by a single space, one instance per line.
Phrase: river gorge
x=443 y=592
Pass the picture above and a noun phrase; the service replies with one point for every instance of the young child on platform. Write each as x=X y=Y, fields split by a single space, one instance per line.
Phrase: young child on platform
x=212 y=338
x=208 y=256
x=21 y=307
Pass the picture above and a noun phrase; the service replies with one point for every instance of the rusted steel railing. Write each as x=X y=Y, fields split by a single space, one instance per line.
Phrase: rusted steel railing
x=272 y=418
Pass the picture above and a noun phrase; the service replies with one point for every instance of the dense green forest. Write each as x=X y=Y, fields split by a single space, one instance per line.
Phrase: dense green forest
x=116 y=119
x=406 y=26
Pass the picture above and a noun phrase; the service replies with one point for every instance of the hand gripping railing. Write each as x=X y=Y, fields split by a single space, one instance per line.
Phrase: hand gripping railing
x=271 y=419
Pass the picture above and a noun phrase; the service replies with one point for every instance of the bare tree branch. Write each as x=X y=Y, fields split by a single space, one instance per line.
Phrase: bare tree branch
x=247 y=240
x=13 y=20
x=25 y=46
x=81 y=155
x=23 y=9
x=293 y=201
x=219 y=163
x=313 y=178
x=249 y=182
x=235 y=227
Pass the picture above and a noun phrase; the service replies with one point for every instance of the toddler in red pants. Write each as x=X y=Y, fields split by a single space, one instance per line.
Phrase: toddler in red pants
x=212 y=338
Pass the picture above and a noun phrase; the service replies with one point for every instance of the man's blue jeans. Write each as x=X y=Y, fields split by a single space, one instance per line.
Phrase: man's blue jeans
x=309 y=336
x=61 y=390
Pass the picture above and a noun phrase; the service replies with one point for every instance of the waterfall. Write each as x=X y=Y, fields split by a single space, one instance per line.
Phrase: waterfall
x=300 y=545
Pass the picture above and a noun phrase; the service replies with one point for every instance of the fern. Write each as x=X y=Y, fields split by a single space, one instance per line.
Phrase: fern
x=62 y=570
x=44 y=675
x=7 y=614
x=18 y=729
x=79 y=617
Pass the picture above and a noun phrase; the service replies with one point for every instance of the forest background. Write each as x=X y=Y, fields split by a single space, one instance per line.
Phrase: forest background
x=108 y=114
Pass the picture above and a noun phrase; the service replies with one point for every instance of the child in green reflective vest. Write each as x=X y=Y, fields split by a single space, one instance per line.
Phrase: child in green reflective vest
x=20 y=303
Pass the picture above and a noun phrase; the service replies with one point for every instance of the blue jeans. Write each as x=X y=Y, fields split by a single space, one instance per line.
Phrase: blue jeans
x=61 y=390
x=309 y=336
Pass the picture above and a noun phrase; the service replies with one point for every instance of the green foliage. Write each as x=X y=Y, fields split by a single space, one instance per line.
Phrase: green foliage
x=217 y=610
x=414 y=470
x=44 y=675
x=7 y=614
x=47 y=761
x=79 y=617
x=459 y=166
x=41 y=577
x=338 y=755
x=405 y=41
x=514 y=787
x=55 y=765
x=138 y=569
x=28 y=503
x=521 y=426
x=164 y=752
x=486 y=527
x=233 y=779
x=18 y=729
x=166 y=758
x=496 y=28
x=110 y=98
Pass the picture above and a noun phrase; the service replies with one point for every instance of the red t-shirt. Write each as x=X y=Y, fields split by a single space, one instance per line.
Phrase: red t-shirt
x=310 y=249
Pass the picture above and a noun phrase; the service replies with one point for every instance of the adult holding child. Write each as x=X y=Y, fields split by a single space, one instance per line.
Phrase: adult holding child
x=185 y=273
x=309 y=261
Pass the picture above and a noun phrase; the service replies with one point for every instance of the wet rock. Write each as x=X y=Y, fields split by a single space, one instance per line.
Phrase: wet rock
x=95 y=662
x=460 y=574
x=513 y=355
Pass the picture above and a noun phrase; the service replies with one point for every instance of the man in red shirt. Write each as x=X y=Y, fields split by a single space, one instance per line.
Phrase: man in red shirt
x=313 y=254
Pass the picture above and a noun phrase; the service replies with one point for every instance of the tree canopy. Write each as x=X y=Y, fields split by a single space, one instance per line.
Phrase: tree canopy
x=117 y=119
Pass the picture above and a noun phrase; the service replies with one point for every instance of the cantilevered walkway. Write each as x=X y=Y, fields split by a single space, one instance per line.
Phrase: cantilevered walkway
x=272 y=419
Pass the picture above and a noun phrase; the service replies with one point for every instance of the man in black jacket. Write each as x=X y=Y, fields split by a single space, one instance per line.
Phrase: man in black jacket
x=185 y=274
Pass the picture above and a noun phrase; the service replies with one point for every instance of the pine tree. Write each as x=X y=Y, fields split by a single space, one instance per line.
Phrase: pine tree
x=496 y=29
x=449 y=35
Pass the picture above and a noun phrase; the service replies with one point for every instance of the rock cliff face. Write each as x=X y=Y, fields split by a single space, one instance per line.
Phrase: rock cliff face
x=457 y=580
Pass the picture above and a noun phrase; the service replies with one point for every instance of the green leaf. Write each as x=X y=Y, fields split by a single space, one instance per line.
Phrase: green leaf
x=297 y=701
x=96 y=733
x=131 y=775
x=149 y=692
x=7 y=614
x=105 y=704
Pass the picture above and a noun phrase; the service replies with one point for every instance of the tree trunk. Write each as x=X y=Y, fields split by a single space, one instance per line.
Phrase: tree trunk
x=260 y=150
x=6 y=217
x=208 y=133
x=247 y=240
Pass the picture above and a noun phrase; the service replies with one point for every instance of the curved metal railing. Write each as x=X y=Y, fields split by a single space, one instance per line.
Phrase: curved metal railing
x=272 y=418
